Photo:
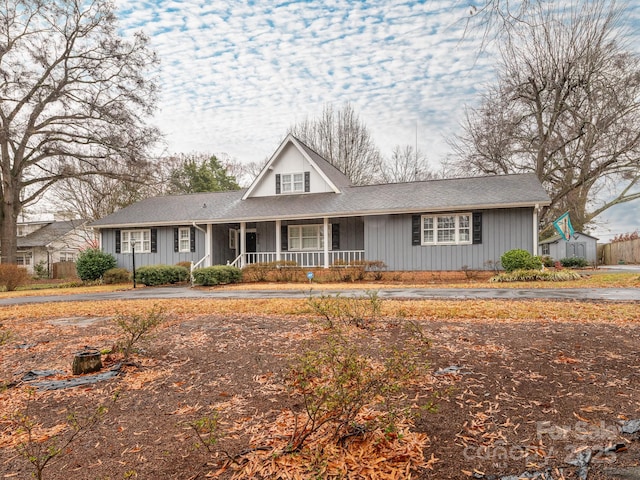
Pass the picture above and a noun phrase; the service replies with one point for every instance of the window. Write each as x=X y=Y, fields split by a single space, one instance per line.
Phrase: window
x=306 y=237
x=546 y=250
x=67 y=257
x=142 y=239
x=454 y=229
x=292 y=182
x=184 y=239
x=23 y=258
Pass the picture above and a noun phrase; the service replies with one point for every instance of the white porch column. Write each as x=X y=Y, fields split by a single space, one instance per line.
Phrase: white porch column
x=243 y=243
x=325 y=227
x=278 y=240
x=535 y=230
x=207 y=245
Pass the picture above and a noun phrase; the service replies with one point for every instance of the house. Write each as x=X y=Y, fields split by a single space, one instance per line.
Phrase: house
x=300 y=208
x=579 y=245
x=41 y=244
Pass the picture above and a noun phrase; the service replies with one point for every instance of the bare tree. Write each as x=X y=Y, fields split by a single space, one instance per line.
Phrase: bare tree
x=566 y=107
x=74 y=97
x=406 y=165
x=92 y=197
x=344 y=141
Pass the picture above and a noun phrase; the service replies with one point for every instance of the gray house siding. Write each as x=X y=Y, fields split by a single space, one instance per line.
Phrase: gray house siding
x=165 y=254
x=389 y=238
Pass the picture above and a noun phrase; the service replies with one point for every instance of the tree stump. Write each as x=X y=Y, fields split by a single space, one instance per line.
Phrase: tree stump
x=87 y=361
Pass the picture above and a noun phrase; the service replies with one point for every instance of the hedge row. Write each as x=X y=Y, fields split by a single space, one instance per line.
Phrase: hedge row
x=152 y=275
x=217 y=275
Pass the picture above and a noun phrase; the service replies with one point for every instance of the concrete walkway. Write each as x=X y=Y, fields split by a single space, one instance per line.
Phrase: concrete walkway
x=575 y=294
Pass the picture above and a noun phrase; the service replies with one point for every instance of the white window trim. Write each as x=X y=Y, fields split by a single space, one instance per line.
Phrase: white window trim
x=125 y=244
x=457 y=240
x=291 y=182
x=233 y=238
x=319 y=237
x=26 y=256
x=186 y=239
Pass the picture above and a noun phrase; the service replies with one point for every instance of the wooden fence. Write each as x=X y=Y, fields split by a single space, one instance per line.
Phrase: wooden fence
x=621 y=252
x=64 y=270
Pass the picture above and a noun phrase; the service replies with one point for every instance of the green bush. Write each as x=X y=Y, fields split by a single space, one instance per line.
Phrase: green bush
x=116 y=275
x=92 y=263
x=574 y=262
x=153 y=275
x=12 y=276
x=216 y=275
x=536 y=276
x=520 y=260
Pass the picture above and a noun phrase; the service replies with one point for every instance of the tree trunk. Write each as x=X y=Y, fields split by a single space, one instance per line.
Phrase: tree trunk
x=8 y=226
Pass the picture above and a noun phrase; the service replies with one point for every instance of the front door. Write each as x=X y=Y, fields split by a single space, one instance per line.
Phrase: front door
x=250 y=246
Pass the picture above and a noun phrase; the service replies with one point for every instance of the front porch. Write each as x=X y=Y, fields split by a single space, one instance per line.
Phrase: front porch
x=318 y=243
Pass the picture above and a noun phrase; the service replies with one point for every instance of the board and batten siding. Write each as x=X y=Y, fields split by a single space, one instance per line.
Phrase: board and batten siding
x=388 y=238
x=165 y=254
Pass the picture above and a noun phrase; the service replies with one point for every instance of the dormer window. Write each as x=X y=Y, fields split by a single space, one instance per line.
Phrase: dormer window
x=292 y=182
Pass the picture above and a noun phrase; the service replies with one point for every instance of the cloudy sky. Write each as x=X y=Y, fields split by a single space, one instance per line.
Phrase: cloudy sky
x=235 y=75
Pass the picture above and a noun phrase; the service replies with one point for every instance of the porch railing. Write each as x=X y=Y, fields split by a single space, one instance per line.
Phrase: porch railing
x=314 y=258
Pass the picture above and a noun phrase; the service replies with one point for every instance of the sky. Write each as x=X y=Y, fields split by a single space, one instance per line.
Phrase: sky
x=236 y=75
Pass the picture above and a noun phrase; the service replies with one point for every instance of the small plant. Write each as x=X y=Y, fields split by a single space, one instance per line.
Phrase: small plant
x=520 y=260
x=136 y=327
x=41 y=453
x=468 y=273
x=12 y=276
x=116 y=275
x=335 y=310
x=207 y=429
x=92 y=263
x=5 y=335
x=41 y=269
x=574 y=262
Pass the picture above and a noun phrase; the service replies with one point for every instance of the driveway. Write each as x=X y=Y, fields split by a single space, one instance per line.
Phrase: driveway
x=576 y=294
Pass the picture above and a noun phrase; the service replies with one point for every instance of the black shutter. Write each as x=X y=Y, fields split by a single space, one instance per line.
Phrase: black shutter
x=118 y=242
x=176 y=239
x=277 y=183
x=154 y=240
x=307 y=182
x=335 y=236
x=284 y=238
x=192 y=239
x=415 y=230
x=477 y=227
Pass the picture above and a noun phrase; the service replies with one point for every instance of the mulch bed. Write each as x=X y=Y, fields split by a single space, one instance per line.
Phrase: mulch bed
x=512 y=396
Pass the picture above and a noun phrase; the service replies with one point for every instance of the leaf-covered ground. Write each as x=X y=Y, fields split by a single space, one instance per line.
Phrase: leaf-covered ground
x=521 y=386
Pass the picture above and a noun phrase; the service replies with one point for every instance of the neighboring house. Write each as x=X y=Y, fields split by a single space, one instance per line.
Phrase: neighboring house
x=45 y=243
x=300 y=208
x=579 y=245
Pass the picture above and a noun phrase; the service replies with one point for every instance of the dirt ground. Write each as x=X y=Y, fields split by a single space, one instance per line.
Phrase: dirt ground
x=512 y=396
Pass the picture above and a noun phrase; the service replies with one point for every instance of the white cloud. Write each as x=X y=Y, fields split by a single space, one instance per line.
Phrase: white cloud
x=236 y=75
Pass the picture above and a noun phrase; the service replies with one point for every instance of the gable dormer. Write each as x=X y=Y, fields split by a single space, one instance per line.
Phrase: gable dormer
x=294 y=169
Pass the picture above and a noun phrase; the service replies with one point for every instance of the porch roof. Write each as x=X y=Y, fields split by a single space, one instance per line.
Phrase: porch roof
x=457 y=194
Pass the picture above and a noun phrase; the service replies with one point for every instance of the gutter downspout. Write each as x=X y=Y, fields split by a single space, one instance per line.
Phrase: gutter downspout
x=535 y=229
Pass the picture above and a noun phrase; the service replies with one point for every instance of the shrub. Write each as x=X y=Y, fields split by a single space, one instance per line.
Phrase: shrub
x=136 y=327
x=152 y=275
x=536 y=276
x=359 y=311
x=520 y=260
x=547 y=261
x=216 y=275
x=574 y=262
x=12 y=276
x=116 y=275
x=92 y=263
